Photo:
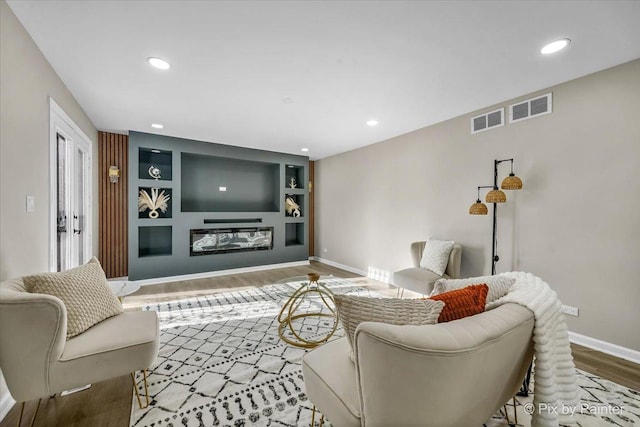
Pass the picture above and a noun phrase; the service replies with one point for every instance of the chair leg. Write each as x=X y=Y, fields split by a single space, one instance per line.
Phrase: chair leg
x=506 y=414
x=35 y=414
x=515 y=413
x=146 y=389
x=22 y=412
x=313 y=418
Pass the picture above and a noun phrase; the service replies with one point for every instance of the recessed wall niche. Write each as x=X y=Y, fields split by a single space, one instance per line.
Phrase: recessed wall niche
x=219 y=184
x=294 y=175
x=154 y=164
x=154 y=197
x=290 y=208
x=154 y=241
x=294 y=234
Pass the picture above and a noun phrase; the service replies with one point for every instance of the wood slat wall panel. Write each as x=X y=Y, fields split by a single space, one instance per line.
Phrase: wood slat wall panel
x=312 y=207
x=113 y=229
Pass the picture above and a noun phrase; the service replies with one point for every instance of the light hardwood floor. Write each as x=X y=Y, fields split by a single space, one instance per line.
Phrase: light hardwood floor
x=109 y=403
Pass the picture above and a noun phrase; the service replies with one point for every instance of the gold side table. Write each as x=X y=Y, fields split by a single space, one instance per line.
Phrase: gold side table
x=289 y=312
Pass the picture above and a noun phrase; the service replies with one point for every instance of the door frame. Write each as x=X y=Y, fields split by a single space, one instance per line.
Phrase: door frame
x=60 y=122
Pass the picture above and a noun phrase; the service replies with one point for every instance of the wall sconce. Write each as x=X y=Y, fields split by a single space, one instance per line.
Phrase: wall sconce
x=495 y=196
x=114 y=174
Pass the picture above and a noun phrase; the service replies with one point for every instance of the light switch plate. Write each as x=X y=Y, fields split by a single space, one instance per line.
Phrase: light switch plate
x=31 y=204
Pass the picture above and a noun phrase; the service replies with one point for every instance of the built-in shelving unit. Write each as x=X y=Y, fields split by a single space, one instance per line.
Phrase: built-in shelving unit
x=294 y=230
x=154 y=232
x=226 y=208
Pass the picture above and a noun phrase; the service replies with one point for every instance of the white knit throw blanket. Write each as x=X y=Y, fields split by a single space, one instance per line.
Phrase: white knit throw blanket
x=555 y=390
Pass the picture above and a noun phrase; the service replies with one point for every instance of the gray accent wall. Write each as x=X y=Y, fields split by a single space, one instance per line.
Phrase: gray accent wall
x=575 y=224
x=256 y=188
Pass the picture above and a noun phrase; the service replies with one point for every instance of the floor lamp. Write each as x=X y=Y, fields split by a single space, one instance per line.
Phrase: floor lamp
x=495 y=196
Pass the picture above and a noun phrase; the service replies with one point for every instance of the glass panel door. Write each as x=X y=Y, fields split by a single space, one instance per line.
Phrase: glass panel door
x=79 y=207
x=62 y=246
x=72 y=202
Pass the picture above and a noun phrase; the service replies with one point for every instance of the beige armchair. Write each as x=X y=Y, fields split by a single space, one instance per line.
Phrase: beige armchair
x=421 y=280
x=457 y=373
x=37 y=360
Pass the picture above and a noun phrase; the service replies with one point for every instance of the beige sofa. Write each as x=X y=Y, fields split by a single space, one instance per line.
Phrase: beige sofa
x=37 y=360
x=450 y=374
x=421 y=280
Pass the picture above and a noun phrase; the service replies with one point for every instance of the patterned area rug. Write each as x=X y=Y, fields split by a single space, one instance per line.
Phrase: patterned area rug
x=221 y=363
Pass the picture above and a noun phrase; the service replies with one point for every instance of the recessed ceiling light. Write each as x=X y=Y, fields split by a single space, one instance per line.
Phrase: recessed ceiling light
x=555 y=46
x=304 y=150
x=159 y=63
x=157 y=126
x=372 y=122
x=155 y=151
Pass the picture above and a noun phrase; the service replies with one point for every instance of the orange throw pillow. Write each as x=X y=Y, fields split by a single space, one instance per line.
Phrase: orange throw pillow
x=462 y=302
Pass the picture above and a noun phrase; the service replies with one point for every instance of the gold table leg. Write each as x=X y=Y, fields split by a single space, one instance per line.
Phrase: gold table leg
x=288 y=315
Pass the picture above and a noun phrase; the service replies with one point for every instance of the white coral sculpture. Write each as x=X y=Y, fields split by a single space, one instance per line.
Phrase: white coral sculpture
x=292 y=208
x=153 y=202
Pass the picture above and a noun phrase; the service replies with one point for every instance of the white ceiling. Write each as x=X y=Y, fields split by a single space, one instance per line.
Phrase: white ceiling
x=282 y=75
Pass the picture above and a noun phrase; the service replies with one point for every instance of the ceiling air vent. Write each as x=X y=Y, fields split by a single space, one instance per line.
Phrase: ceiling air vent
x=487 y=121
x=530 y=108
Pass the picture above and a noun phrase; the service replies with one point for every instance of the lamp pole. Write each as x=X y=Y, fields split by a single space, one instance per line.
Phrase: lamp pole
x=494 y=256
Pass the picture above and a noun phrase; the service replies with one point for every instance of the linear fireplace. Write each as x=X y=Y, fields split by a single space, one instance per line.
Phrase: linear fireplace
x=225 y=240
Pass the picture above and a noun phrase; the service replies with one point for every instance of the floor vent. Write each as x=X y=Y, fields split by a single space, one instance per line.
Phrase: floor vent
x=531 y=108
x=486 y=121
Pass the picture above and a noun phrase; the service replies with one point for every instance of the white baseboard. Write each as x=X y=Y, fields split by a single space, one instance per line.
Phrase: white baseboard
x=206 y=274
x=338 y=265
x=605 y=347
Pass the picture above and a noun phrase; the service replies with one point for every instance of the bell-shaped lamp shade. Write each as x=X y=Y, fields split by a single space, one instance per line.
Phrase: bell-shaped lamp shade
x=496 y=196
x=478 y=208
x=511 y=182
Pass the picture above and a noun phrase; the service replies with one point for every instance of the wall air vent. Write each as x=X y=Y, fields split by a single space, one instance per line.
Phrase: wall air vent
x=486 y=121
x=531 y=108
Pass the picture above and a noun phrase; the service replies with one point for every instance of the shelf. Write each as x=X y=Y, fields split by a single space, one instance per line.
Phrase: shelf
x=295 y=172
x=154 y=241
x=152 y=163
x=159 y=214
x=294 y=220
x=293 y=234
x=298 y=199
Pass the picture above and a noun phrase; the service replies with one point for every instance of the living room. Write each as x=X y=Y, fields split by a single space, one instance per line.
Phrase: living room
x=376 y=187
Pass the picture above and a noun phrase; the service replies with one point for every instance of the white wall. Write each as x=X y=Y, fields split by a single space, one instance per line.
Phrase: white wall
x=576 y=223
x=26 y=83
